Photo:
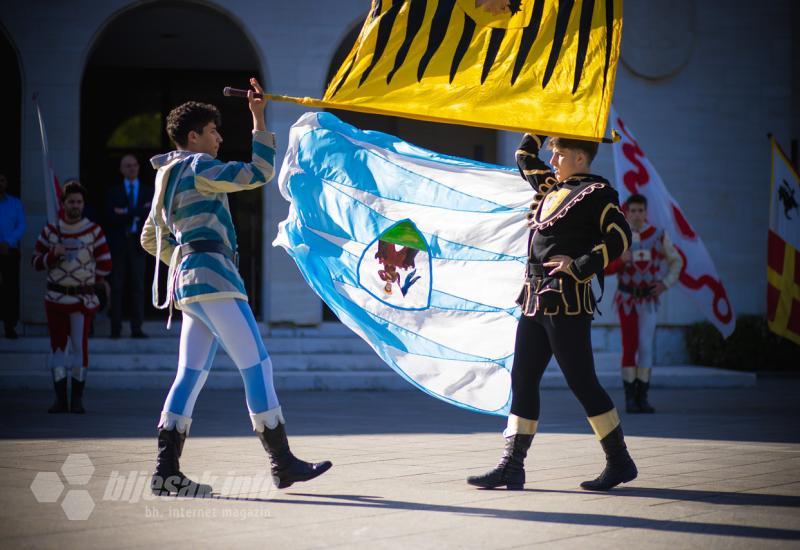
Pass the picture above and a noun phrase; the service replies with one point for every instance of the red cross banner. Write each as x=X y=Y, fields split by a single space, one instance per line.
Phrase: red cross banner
x=698 y=278
x=783 y=260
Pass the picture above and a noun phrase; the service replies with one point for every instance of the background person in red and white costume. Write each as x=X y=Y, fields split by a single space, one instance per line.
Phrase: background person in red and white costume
x=76 y=256
x=644 y=272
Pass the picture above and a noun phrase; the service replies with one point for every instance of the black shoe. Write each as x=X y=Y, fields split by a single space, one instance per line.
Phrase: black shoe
x=60 y=404
x=115 y=334
x=511 y=469
x=620 y=467
x=168 y=478
x=641 y=397
x=287 y=468
x=76 y=401
x=631 y=395
x=11 y=333
x=137 y=333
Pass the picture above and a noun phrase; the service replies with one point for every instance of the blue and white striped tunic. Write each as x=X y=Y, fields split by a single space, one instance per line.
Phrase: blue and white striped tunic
x=191 y=204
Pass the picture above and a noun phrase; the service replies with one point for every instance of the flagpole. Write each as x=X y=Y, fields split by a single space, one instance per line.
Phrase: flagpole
x=313 y=102
x=51 y=195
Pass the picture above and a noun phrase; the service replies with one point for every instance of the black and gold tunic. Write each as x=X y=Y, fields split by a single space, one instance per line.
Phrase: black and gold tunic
x=578 y=217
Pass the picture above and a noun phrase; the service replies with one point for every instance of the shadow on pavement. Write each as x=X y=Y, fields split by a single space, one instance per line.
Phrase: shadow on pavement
x=714 y=529
x=767 y=413
x=693 y=495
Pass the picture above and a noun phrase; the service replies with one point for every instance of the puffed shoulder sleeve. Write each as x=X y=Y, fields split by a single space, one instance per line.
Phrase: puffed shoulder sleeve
x=615 y=236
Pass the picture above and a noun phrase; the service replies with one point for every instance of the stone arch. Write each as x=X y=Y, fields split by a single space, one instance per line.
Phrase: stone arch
x=148 y=58
x=11 y=95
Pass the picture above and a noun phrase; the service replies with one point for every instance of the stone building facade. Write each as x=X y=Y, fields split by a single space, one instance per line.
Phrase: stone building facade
x=700 y=83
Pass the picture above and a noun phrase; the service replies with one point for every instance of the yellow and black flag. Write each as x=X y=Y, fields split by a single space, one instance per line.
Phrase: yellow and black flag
x=543 y=66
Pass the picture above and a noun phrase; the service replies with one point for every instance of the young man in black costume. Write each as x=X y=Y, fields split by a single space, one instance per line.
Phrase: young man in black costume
x=577 y=228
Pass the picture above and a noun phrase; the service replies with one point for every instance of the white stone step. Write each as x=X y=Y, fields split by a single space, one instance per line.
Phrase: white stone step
x=275 y=345
x=167 y=362
x=222 y=379
x=329 y=337
x=158 y=329
x=379 y=379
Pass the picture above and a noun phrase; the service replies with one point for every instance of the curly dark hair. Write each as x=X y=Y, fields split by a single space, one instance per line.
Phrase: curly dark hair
x=588 y=147
x=73 y=186
x=192 y=115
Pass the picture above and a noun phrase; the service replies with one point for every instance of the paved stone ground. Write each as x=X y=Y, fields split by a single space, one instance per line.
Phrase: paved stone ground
x=718 y=468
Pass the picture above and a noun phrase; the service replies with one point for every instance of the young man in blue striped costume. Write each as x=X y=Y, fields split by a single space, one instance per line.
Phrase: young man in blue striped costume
x=190 y=230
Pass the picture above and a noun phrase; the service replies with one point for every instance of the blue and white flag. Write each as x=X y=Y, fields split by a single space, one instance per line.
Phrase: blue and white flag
x=420 y=254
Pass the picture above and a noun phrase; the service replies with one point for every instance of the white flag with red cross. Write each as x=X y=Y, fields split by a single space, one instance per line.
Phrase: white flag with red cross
x=698 y=278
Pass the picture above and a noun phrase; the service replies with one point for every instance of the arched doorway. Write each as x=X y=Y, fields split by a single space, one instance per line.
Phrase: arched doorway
x=11 y=98
x=145 y=62
x=462 y=141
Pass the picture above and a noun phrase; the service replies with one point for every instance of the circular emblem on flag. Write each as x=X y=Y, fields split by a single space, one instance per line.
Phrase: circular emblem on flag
x=396 y=268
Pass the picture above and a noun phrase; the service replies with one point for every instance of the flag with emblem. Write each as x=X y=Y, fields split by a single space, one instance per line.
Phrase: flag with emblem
x=783 y=260
x=420 y=254
x=542 y=66
x=698 y=278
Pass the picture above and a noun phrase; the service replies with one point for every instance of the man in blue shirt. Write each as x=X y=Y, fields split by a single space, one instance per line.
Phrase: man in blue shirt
x=12 y=226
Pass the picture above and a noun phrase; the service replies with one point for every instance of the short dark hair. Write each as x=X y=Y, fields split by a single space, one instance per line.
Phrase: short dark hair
x=192 y=115
x=636 y=198
x=71 y=187
x=588 y=147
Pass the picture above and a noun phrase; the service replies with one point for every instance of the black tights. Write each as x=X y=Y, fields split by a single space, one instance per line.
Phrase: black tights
x=570 y=339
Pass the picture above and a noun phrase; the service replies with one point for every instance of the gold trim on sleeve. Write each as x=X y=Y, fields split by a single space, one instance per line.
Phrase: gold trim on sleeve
x=536 y=172
x=604 y=424
x=625 y=242
x=572 y=274
x=608 y=207
x=602 y=247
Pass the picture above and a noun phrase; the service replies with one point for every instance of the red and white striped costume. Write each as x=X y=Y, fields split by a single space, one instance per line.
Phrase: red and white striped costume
x=653 y=259
x=87 y=259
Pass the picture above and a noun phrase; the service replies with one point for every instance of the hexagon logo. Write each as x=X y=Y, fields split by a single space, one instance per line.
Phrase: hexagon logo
x=78 y=469
x=47 y=487
x=78 y=504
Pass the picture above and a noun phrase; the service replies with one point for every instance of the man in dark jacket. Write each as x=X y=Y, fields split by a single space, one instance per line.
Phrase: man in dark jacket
x=128 y=207
x=576 y=229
